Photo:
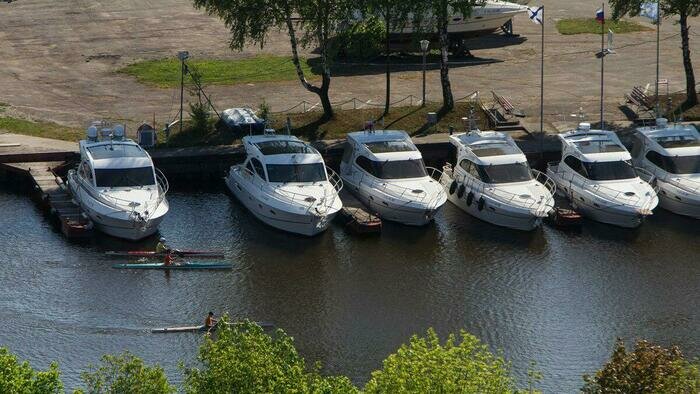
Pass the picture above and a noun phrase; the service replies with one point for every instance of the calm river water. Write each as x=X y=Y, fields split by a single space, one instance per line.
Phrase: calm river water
x=557 y=297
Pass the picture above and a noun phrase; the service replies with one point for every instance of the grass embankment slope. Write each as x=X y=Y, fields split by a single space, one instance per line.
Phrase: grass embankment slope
x=16 y=125
x=165 y=73
x=309 y=125
x=591 y=26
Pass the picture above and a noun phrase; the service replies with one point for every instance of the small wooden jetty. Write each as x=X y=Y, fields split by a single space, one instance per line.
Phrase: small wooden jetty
x=356 y=217
x=52 y=195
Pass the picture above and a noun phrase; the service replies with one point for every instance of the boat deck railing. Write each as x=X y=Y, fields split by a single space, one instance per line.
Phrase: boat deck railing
x=123 y=205
x=540 y=207
x=614 y=196
x=405 y=193
x=306 y=200
x=685 y=184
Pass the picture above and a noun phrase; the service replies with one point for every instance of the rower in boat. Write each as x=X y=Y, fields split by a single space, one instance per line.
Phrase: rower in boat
x=210 y=322
x=162 y=247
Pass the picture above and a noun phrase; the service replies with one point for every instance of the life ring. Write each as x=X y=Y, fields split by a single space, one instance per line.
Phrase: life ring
x=481 y=203
x=470 y=198
x=453 y=187
x=460 y=191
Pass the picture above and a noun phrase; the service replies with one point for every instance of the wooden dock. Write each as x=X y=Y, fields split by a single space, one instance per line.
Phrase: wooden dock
x=53 y=196
x=356 y=217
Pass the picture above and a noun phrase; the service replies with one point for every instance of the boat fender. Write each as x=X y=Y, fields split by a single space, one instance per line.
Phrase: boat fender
x=481 y=203
x=470 y=198
x=453 y=187
x=460 y=191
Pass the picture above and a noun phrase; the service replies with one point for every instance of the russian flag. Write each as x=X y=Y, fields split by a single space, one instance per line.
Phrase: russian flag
x=600 y=16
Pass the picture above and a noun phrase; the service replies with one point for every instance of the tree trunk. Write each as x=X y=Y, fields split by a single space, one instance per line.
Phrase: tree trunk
x=322 y=91
x=691 y=92
x=387 y=101
x=447 y=99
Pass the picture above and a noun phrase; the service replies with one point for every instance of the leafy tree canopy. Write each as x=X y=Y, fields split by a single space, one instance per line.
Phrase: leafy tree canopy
x=20 y=378
x=425 y=365
x=648 y=369
x=245 y=359
x=125 y=373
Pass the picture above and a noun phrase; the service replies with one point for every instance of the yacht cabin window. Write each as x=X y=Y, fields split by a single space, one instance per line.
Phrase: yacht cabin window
x=124 y=177
x=675 y=164
x=470 y=168
x=602 y=170
x=258 y=167
x=393 y=169
x=505 y=173
x=297 y=173
x=576 y=165
x=347 y=153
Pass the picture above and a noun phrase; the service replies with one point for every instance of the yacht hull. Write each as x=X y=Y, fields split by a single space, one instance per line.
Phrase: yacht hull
x=305 y=224
x=684 y=206
x=491 y=212
x=408 y=215
x=111 y=221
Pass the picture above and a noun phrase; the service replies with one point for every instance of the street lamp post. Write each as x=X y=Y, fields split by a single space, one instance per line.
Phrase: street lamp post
x=424 y=44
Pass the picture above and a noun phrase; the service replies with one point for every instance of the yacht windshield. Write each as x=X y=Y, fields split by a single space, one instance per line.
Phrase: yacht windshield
x=399 y=169
x=505 y=173
x=609 y=170
x=124 y=177
x=683 y=164
x=302 y=173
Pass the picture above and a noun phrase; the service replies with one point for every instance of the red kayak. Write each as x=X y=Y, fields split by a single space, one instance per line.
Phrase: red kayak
x=179 y=253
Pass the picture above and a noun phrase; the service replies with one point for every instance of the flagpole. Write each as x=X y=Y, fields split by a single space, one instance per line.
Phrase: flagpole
x=542 y=90
x=602 y=65
x=658 y=39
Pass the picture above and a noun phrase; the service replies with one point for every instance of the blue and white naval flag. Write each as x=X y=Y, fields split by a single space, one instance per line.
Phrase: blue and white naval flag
x=536 y=14
x=650 y=10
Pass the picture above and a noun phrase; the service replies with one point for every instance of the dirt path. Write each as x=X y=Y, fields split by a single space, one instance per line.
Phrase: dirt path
x=57 y=62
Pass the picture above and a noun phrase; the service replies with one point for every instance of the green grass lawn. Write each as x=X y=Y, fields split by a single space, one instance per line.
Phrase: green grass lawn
x=591 y=26
x=309 y=126
x=165 y=73
x=39 y=129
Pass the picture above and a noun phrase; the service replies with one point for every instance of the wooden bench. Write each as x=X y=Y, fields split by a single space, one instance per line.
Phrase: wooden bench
x=641 y=100
x=507 y=106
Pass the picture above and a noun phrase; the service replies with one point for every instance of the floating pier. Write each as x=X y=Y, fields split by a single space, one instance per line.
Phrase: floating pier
x=52 y=195
x=356 y=217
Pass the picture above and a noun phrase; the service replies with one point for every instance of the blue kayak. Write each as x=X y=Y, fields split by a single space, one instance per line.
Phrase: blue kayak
x=175 y=266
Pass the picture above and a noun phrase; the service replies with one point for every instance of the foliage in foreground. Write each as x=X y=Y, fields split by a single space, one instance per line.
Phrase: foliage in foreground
x=125 y=373
x=20 y=378
x=647 y=369
x=425 y=365
x=244 y=359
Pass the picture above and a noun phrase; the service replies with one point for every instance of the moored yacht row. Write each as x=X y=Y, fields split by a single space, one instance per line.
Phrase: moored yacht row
x=285 y=183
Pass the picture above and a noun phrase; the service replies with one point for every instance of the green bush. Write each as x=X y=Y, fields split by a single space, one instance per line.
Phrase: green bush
x=360 y=41
x=244 y=359
x=20 y=378
x=125 y=373
x=425 y=365
x=648 y=369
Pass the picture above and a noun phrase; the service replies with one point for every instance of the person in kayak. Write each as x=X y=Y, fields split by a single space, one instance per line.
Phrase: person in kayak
x=162 y=247
x=210 y=321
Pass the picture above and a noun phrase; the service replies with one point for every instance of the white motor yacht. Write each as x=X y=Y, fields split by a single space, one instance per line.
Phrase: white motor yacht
x=597 y=176
x=117 y=185
x=285 y=183
x=492 y=181
x=385 y=170
x=672 y=154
